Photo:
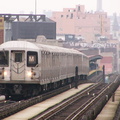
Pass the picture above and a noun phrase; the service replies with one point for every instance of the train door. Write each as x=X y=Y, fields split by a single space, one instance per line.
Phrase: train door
x=17 y=65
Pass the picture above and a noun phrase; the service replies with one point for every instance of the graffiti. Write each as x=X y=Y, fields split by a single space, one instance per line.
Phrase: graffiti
x=90 y=45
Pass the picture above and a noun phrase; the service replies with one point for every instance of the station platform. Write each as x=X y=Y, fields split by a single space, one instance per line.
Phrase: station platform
x=109 y=110
x=36 y=109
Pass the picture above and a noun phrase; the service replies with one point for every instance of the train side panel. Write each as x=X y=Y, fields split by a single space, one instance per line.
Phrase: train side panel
x=33 y=68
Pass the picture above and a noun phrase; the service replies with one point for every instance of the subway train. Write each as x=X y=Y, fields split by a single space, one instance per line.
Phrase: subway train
x=30 y=68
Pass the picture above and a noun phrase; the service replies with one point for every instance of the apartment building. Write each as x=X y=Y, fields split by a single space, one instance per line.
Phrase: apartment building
x=87 y=25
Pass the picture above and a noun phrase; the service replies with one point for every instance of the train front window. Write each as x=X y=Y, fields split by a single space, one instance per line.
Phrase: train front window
x=18 y=57
x=4 y=58
x=32 y=59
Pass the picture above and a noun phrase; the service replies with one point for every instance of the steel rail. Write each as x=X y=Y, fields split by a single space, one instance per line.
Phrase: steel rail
x=57 y=108
x=79 y=112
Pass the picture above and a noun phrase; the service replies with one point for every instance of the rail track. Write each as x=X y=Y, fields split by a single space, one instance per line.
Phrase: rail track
x=9 y=109
x=20 y=105
x=5 y=103
x=82 y=105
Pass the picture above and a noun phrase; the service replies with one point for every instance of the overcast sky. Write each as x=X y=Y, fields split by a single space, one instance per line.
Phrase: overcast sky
x=28 y=6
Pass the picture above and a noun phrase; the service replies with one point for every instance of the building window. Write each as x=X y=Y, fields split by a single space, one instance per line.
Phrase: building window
x=67 y=16
x=61 y=16
x=78 y=8
x=71 y=15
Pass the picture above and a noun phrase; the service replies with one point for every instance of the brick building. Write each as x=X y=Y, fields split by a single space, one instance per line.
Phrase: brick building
x=78 y=22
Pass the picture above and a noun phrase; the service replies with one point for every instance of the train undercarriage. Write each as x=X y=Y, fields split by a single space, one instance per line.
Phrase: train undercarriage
x=18 y=91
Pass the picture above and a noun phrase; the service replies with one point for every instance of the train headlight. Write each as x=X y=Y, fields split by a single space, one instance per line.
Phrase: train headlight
x=29 y=73
x=5 y=73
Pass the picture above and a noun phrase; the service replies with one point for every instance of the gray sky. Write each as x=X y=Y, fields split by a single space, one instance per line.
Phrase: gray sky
x=28 y=6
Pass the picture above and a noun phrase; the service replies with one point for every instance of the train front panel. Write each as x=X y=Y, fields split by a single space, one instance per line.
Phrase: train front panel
x=18 y=66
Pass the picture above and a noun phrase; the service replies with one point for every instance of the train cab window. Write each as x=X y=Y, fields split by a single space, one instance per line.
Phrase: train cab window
x=32 y=59
x=18 y=57
x=4 y=58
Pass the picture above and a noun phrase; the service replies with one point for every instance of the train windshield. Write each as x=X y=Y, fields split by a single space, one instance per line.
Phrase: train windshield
x=4 y=58
x=32 y=59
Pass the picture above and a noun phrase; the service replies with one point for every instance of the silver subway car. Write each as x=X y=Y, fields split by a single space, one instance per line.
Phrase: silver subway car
x=29 y=68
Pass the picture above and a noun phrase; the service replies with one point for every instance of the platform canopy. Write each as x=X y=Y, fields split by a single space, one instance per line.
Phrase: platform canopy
x=94 y=58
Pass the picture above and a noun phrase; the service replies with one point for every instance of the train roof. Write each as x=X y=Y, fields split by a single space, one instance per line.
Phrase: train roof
x=19 y=45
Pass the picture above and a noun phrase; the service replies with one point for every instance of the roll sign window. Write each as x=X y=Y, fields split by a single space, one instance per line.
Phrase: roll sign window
x=32 y=59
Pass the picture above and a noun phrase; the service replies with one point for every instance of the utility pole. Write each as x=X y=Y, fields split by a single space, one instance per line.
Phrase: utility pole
x=35 y=7
x=76 y=77
x=103 y=73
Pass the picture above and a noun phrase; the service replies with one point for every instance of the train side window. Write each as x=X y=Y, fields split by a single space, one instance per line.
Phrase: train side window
x=18 y=57
x=4 y=58
x=32 y=59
